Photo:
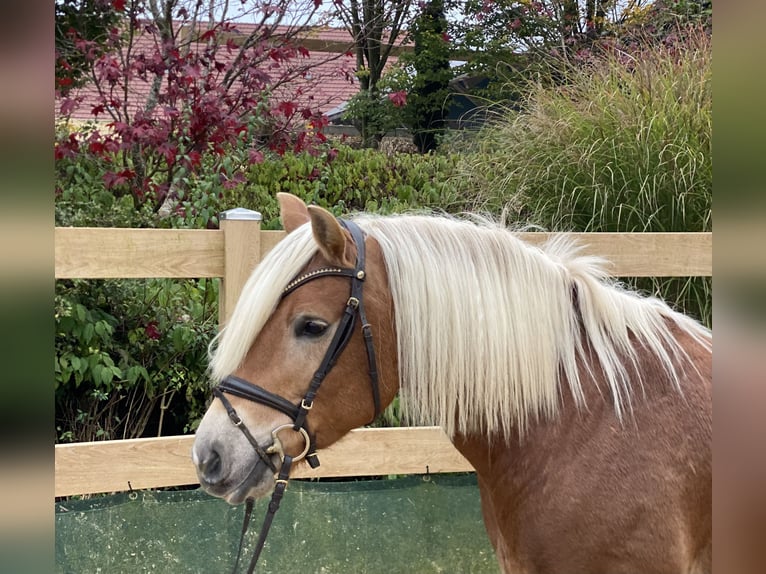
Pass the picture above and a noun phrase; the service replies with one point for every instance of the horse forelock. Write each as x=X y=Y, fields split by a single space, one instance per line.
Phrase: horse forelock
x=258 y=299
x=488 y=327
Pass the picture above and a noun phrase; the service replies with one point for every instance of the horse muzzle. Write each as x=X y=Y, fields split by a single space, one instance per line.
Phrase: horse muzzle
x=232 y=477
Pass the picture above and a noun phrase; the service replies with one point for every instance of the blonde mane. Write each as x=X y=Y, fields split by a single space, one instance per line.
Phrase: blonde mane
x=487 y=325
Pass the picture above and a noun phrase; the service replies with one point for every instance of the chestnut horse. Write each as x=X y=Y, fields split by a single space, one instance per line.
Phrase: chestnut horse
x=585 y=408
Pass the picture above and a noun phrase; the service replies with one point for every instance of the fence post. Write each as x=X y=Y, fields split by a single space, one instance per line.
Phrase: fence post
x=242 y=250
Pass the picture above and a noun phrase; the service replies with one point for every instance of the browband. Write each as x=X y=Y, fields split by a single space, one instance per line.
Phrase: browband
x=316 y=274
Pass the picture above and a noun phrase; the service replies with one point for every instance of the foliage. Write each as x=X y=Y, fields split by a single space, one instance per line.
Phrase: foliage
x=77 y=21
x=428 y=96
x=83 y=199
x=500 y=28
x=508 y=42
x=208 y=87
x=623 y=143
x=125 y=350
x=376 y=113
x=345 y=179
x=666 y=14
x=376 y=26
x=505 y=40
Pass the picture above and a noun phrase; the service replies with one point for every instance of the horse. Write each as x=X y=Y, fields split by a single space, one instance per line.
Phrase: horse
x=584 y=407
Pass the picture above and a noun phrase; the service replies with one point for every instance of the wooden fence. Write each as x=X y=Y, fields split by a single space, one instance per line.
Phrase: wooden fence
x=230 y=254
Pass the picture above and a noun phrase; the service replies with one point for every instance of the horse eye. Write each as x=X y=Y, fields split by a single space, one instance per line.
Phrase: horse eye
x=309 y=327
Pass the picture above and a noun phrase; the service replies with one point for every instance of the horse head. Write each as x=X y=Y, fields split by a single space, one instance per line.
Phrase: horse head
x=270 y=375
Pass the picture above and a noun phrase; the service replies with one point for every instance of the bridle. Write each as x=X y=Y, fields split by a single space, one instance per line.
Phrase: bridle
x=297 y=412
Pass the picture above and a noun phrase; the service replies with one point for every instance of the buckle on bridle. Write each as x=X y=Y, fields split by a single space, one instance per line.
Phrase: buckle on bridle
x=278 y=449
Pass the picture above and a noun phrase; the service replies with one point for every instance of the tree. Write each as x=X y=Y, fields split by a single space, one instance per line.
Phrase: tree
x=665 y=16
x=527 y=25
x=509 y=41
x=76 y=20
x=375 y=27
x=428 y=97
x=186 y=90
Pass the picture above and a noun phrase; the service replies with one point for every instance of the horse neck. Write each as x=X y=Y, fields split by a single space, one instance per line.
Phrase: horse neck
x=521 y=458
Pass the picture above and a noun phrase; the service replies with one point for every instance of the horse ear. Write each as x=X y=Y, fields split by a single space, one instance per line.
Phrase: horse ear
x=328 y=234
x=292 y=210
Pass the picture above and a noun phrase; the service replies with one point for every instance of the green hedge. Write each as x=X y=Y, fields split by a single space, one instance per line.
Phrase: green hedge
x=345 y=180
x=131 y=356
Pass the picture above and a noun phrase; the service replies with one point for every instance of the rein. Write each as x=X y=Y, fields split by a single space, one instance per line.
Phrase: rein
x=298 y=412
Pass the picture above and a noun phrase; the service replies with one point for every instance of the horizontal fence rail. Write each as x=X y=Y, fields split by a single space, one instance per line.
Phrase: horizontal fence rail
x=115 y=465
x=102 y=253
x=230 y=253
x=111 y=253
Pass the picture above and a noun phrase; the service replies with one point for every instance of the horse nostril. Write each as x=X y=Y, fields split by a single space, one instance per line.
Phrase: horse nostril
x=209 y=468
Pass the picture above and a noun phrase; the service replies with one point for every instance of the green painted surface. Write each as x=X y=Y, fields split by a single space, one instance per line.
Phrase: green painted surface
x=406 y=525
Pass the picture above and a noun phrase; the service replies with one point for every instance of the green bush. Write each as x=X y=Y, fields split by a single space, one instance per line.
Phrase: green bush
x=81 y=196
x=83 y=199
x=622 y=143
x=345 y=179
x=131 y=356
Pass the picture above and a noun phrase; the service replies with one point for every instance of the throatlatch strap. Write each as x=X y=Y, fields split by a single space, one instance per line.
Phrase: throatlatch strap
x=373 y=367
